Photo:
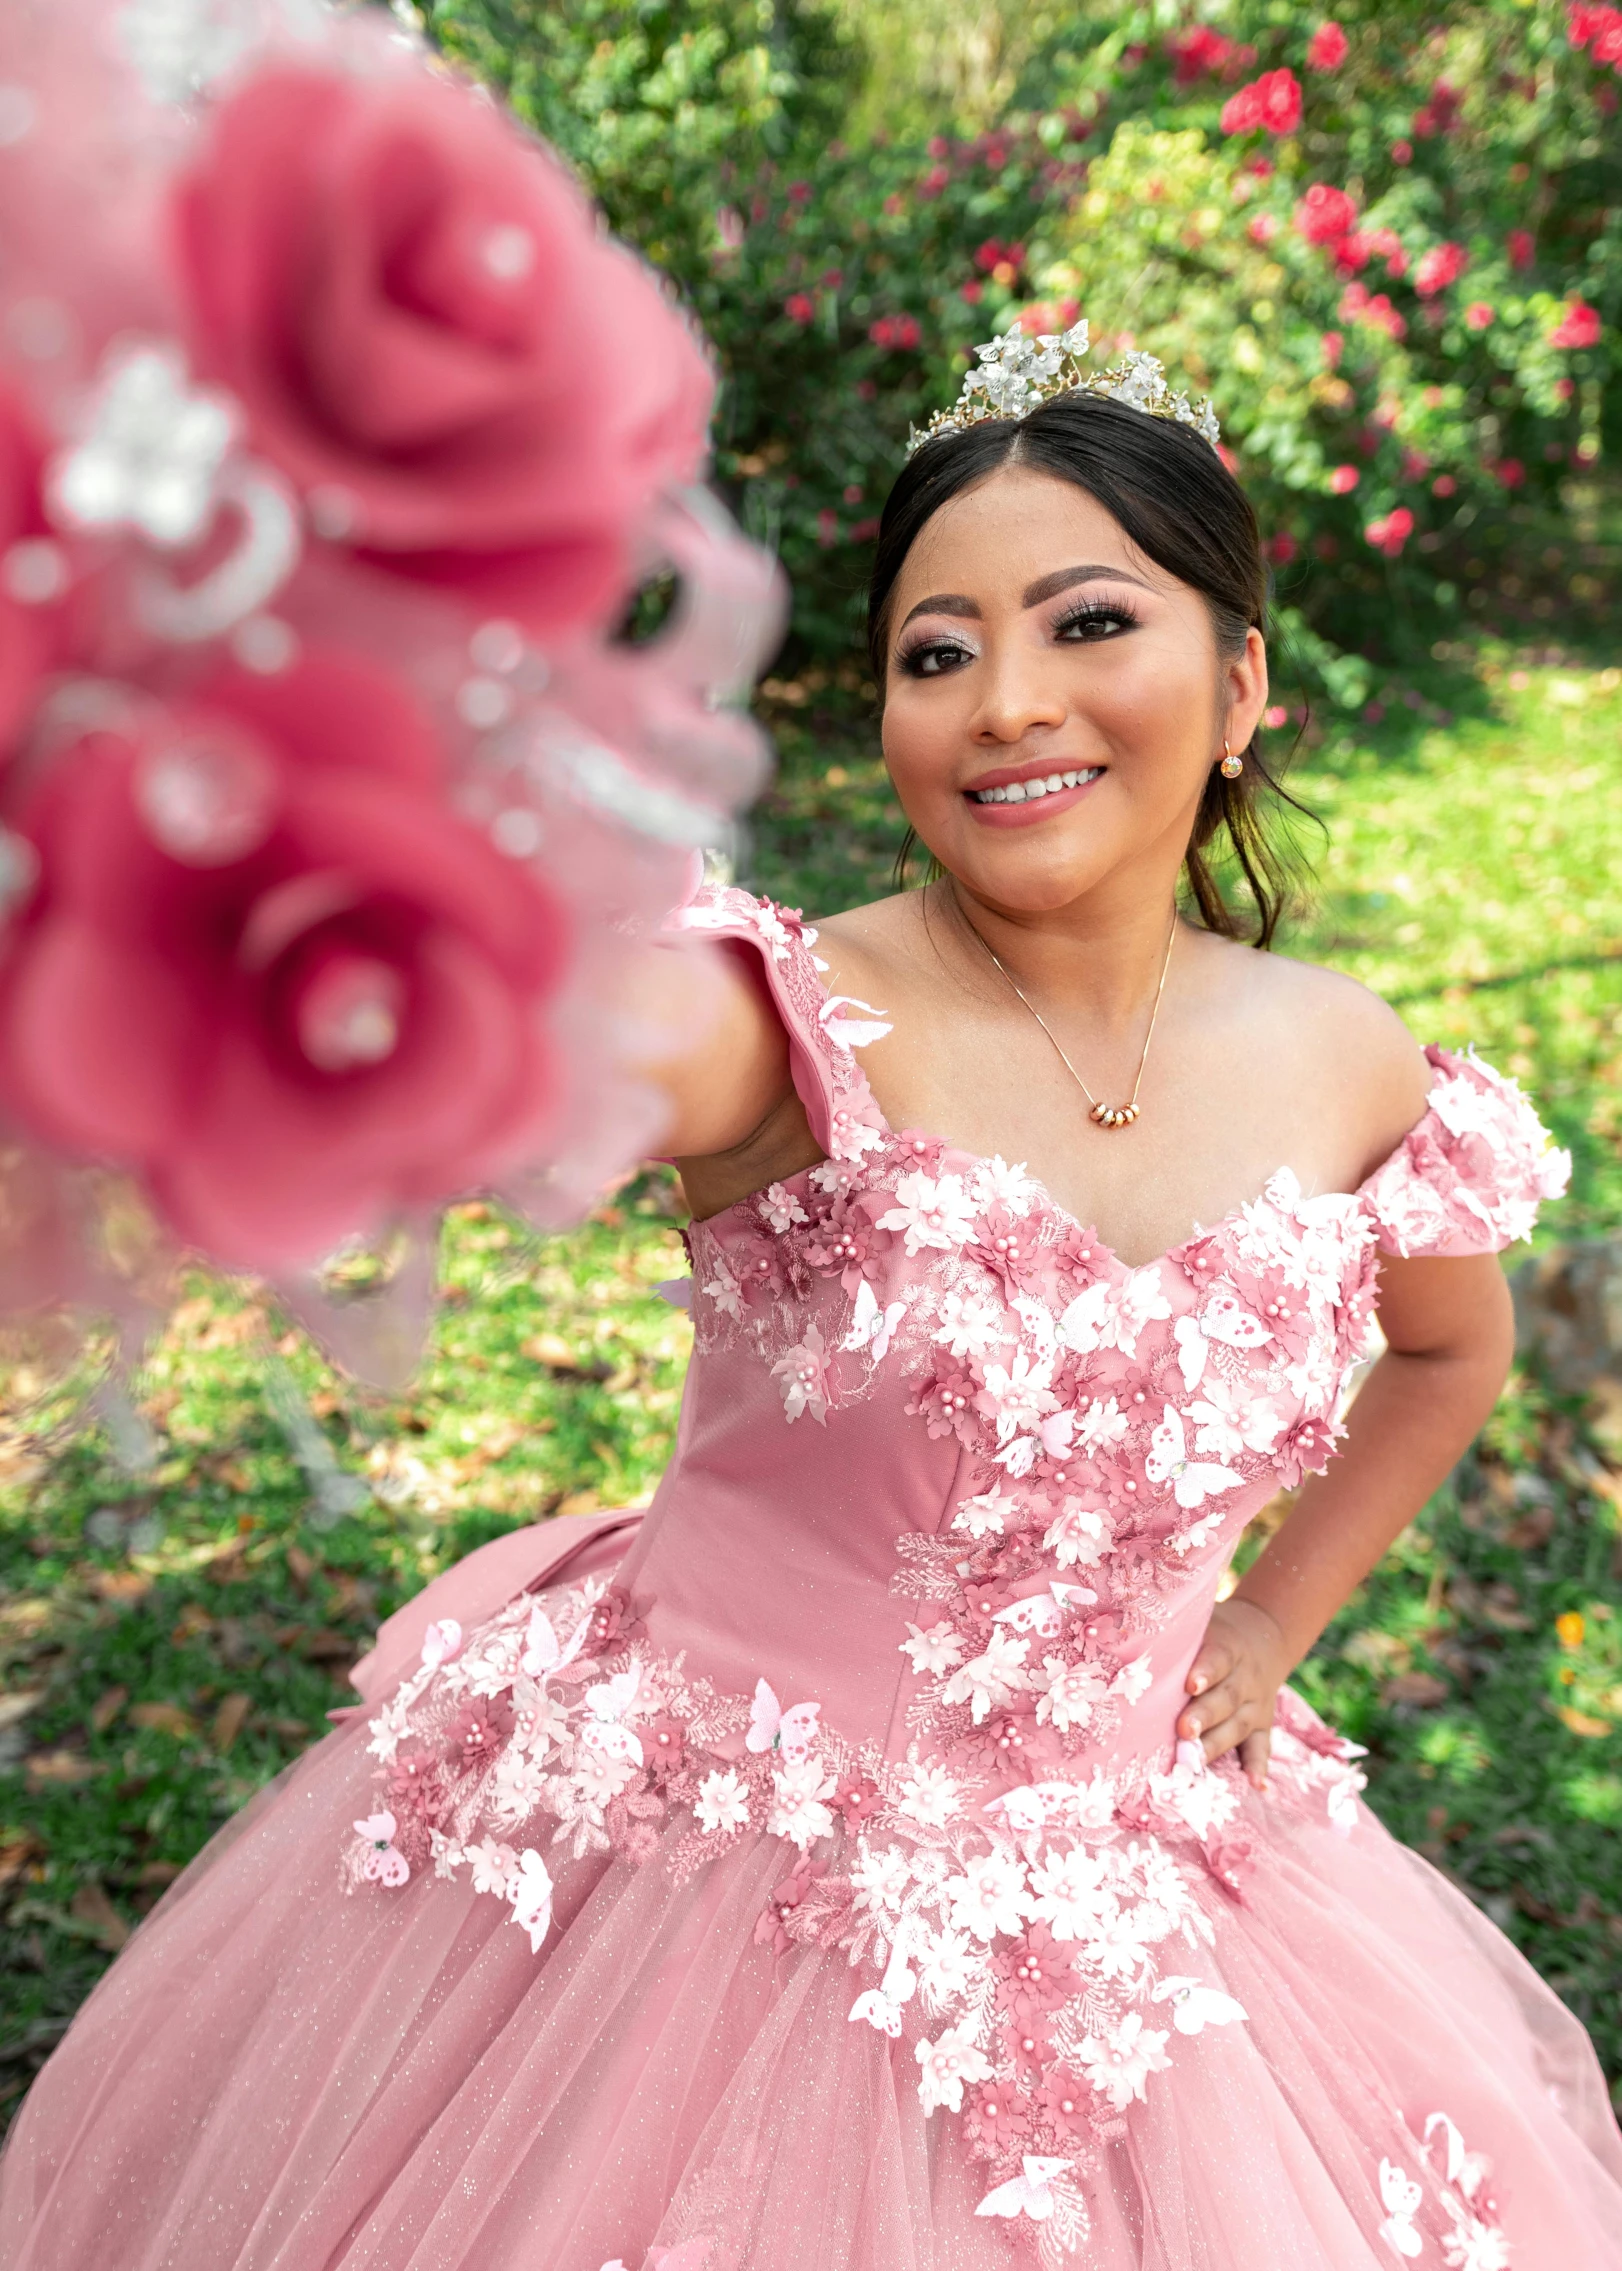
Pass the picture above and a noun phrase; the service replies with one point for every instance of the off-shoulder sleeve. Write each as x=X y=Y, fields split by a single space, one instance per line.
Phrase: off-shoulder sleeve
x=822 y=1030
x=1470 y=1177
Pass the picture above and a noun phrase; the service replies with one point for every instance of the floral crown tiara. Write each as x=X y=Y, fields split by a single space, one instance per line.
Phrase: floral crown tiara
x=1016 y=372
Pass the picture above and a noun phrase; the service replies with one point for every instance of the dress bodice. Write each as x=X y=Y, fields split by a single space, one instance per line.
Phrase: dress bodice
x=953 y=1470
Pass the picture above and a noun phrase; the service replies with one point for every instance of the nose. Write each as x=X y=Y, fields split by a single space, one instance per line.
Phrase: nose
x=1020 y=694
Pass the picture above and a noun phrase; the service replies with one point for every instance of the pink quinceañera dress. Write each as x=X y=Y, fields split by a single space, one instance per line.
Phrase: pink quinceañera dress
x=804 y=1875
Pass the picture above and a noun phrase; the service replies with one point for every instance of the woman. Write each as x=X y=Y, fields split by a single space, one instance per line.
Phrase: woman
x=910 y=1864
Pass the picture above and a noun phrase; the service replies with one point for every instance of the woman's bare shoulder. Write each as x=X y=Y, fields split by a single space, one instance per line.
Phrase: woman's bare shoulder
x=1353 y=1047
x=863 y=945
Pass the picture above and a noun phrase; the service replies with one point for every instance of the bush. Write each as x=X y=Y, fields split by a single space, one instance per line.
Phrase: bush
x=1390 y=249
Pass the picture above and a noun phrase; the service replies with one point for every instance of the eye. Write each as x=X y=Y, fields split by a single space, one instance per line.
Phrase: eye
x=1091 y=620
x=933 y=657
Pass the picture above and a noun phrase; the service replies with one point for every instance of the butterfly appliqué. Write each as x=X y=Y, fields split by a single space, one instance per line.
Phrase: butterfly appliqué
x=1222 y=1319
x=1192 y=1481
x=870 y=1326
x=607 y=1704
x=881 y=2006
x=771 y=1728
x=1028 y=2194
x=543 y=1651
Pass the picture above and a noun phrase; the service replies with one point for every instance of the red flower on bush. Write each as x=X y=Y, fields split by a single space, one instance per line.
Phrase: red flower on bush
x=800 y=307
x=1373 y=310
x=1272 y=102
x=1508 y=472
x=1326 y=50
x=1444 y=485
x=1343 y=480
x=1324 y=214
x=1391 y=534
x=431 y=335
x=1478 y=315
x=1199 y=51
x=1440 y=115
x=895 y=331
x=1579 y=326
x=1442 y=265
x=1334 y=346
x=1262 y=228
x=1282 y=548
x=1521 y=247
x=1600 y=29
x=994 y=254
x=264 y=968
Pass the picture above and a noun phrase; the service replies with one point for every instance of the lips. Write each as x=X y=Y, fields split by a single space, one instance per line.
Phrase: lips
x=1034 y=789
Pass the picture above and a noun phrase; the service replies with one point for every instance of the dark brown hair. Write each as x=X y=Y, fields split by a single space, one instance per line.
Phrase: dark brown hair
x=1183 y=509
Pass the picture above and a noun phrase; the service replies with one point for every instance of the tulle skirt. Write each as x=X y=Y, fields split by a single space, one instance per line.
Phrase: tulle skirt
x=278 y=2077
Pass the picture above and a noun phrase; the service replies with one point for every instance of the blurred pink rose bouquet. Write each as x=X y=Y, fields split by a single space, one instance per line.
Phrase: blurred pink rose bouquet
x=335 y=439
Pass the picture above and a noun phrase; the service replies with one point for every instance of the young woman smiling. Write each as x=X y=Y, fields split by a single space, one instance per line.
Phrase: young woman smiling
x=917 y=1867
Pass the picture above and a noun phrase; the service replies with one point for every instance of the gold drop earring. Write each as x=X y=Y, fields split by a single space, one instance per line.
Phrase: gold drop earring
x=1232 y=766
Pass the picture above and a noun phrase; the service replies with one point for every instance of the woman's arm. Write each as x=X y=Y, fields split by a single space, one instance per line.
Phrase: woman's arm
x=715 y=1046
x=1450 y=1336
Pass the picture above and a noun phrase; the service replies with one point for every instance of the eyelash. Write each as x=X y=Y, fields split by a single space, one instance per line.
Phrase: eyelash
x=1118 y=613
x=1115 y=611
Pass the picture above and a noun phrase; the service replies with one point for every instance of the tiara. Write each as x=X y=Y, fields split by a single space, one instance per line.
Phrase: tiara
x=1016 y=372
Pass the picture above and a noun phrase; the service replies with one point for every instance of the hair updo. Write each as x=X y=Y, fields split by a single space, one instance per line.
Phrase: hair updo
x=1181 y=507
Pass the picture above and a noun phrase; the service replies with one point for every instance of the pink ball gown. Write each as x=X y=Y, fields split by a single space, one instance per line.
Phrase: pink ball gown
x=805 y=1876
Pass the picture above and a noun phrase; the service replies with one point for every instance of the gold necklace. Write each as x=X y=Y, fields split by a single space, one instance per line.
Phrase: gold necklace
x=1105 y=1115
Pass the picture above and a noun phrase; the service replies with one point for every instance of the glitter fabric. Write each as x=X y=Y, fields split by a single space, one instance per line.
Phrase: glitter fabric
x=804 y=1876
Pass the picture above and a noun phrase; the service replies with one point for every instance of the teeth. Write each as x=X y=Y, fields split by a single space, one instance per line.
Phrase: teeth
x=1025 y=792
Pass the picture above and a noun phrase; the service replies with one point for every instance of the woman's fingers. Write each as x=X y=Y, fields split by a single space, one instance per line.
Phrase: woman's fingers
x=1214 y=1662
x=1254 y=1753
x=1215 y=1705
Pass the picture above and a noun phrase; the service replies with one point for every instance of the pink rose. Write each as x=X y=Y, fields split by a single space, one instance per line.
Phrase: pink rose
x=266 y=970
x=33 y=569
x=1326 y=50
x=430 y=335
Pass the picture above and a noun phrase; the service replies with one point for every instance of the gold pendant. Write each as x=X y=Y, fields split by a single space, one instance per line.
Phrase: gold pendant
x=1113 y=1115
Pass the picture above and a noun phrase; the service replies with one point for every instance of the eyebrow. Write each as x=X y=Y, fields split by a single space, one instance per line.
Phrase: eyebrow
x=1046 y=587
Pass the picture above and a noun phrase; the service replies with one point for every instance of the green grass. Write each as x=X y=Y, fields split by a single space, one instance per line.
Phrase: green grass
x=182 y=1630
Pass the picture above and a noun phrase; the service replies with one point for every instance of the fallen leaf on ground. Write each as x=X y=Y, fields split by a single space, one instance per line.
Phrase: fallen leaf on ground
x=19 y=1704
x=1582 y=1722
x=106 y=1708
x=163 y=1718
x=91 y=1906
x=1421 y=1688
x=158 y=1872
x=46 y=1767
x=122 y=1587
x=552 y=1350
x=228 y=1719
x=18 y=1851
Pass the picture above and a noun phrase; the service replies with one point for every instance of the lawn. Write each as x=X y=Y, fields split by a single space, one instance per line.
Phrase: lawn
x=171 y=1632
